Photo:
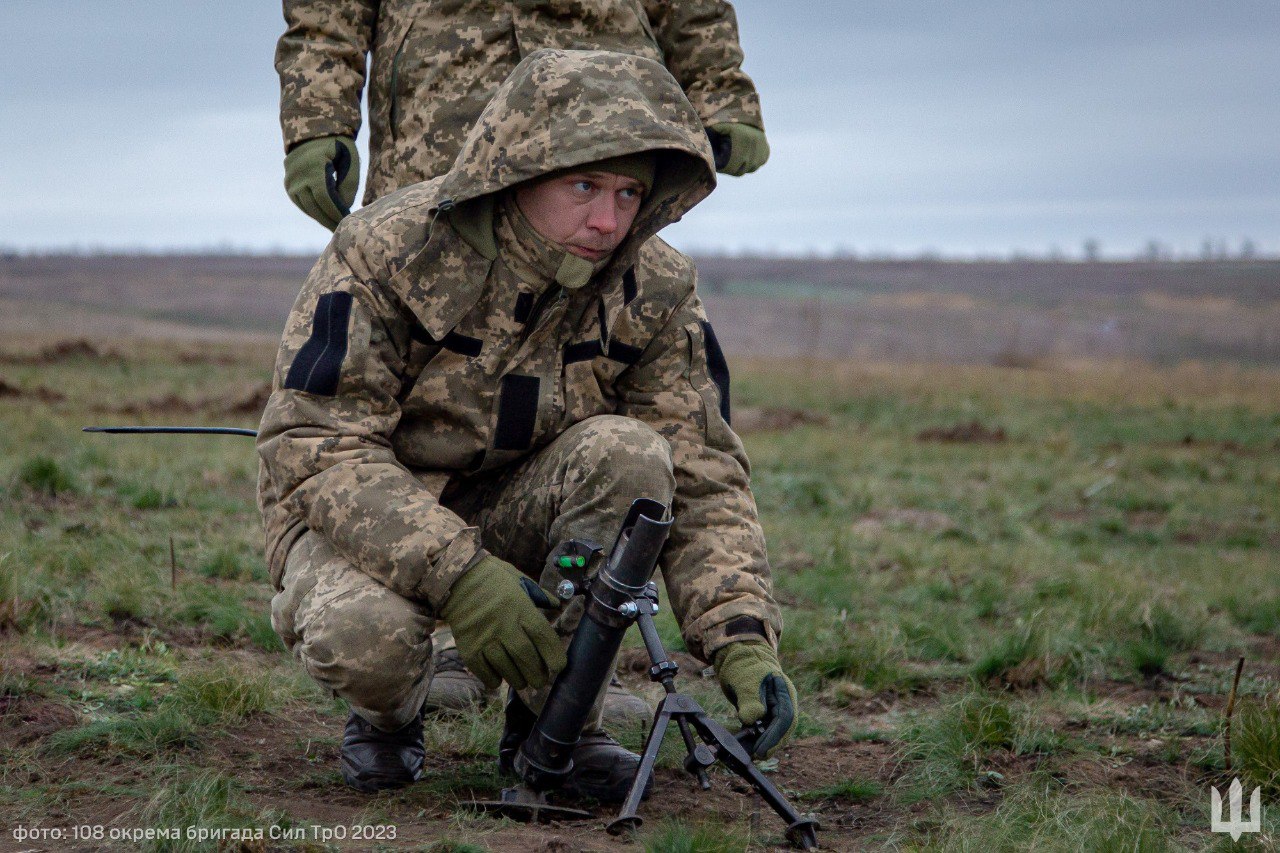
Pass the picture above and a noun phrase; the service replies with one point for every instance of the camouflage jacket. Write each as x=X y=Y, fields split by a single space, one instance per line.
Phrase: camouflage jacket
x=435 y=65
x=409 y=360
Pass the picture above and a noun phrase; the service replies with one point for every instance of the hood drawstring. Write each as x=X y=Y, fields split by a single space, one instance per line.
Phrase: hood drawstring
x=444 y=206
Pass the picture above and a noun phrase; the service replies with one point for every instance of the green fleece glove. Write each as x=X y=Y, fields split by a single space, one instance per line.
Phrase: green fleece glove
x=500 y=632
x=321 y=176
x=748 y=149
x=751 y=676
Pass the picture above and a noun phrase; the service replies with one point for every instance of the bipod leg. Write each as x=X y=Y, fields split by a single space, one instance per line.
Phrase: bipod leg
x=627 y=819
x=696 y=763
x=802 y=831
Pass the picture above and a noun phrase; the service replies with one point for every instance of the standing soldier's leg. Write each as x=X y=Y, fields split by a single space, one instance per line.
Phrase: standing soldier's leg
x=578 y=487
x=368 y=645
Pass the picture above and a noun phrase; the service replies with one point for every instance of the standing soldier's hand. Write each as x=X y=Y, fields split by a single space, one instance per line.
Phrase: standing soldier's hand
x=321 y=176
x=752 y=679
x=501 y=634
x=748 y=149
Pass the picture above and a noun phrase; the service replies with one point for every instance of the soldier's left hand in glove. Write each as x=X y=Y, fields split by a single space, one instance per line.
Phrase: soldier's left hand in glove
x=321 y=176
x=752 y=678
x=748 y=148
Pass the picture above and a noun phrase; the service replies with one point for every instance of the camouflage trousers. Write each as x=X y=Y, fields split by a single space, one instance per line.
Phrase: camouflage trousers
x=372 y=647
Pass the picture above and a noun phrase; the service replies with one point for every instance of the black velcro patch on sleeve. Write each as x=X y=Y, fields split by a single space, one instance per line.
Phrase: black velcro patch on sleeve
x=629 y=287
x=517 y=412
x=745 y=625
x=582 y=351
x=625 y=353
x=462 y=344
x=422 y=336
x=317 y=367
x=717 y=367
x=524 y=307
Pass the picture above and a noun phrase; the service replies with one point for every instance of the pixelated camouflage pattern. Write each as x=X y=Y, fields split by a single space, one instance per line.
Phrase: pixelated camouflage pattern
x=412 y=420
x=353 y=635
x=372 y=647
x=434 y=66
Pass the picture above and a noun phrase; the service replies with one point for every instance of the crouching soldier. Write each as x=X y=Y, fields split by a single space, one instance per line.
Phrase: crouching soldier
x=485 y=365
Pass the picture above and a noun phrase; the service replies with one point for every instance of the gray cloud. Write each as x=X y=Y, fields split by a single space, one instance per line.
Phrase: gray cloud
x=966 y=127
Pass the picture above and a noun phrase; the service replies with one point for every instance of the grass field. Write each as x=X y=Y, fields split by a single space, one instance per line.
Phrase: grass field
x=1015 y=599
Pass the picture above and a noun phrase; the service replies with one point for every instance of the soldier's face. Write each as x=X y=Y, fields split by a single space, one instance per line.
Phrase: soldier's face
x=589 y=213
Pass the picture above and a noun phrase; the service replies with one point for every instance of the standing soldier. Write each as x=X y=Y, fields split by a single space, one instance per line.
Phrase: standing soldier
x=432 y=68
x=434 y=65
x=483 y=366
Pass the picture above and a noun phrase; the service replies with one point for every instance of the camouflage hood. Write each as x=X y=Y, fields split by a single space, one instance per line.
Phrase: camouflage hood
x=561 y=109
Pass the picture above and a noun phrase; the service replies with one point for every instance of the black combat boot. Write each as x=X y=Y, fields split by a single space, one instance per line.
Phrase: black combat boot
x=602 y=767
x=518 y=725
x=374 y=760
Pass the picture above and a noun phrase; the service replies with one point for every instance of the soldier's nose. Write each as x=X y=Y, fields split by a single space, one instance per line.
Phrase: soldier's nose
x=603 y=216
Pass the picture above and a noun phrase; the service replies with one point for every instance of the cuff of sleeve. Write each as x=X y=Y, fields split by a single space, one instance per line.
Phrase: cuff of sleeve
x=326 y=118
x=713 y=114
x=713 y=631
x=463 y=553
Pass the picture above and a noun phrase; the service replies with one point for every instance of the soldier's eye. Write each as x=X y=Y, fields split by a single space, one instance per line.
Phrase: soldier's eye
x=630 y=193
x=582 y=186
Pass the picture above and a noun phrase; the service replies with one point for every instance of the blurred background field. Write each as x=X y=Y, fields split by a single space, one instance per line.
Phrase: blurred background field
x=1017 y=313
x=1024 y=520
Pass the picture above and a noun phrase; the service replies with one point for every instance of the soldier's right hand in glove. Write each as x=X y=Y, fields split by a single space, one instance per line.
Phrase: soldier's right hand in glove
x=321 y=176
x=752 y=678
x=501 y=634
x=748 y=148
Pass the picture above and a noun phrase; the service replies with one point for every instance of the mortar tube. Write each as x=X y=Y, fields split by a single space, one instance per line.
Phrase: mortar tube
x=546 y=757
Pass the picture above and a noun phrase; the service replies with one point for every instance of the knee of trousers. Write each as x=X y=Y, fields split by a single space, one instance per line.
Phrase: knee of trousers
x=612 y=451
x=373 y=651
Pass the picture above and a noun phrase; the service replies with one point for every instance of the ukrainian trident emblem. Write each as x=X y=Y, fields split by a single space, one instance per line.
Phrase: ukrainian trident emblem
x=1236 y=825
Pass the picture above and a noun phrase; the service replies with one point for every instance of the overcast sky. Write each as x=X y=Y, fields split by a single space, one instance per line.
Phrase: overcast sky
x=965 y=127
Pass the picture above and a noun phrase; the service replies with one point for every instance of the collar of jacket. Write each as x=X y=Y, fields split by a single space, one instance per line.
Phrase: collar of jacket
x=442 y=281
x=472 y=235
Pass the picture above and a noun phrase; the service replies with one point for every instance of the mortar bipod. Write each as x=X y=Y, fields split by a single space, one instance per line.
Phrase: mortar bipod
x=718 y=743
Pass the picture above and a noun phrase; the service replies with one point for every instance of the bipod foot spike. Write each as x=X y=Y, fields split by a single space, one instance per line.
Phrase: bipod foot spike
x=803 y=834
x=624 y=825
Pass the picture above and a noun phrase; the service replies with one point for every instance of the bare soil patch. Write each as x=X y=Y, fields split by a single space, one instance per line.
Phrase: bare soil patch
x=25 y=719
x=249 y=400
x=63 y=350
x=8 y=390
x=774 y=419
x=973 y=432
x=1192 y=440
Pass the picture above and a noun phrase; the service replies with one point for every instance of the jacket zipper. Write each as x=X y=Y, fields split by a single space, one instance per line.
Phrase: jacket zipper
x=540 y=305
x=393 y=109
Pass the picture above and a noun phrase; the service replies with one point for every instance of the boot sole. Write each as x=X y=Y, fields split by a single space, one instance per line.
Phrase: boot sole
x=612 y=792
x=372 y=783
